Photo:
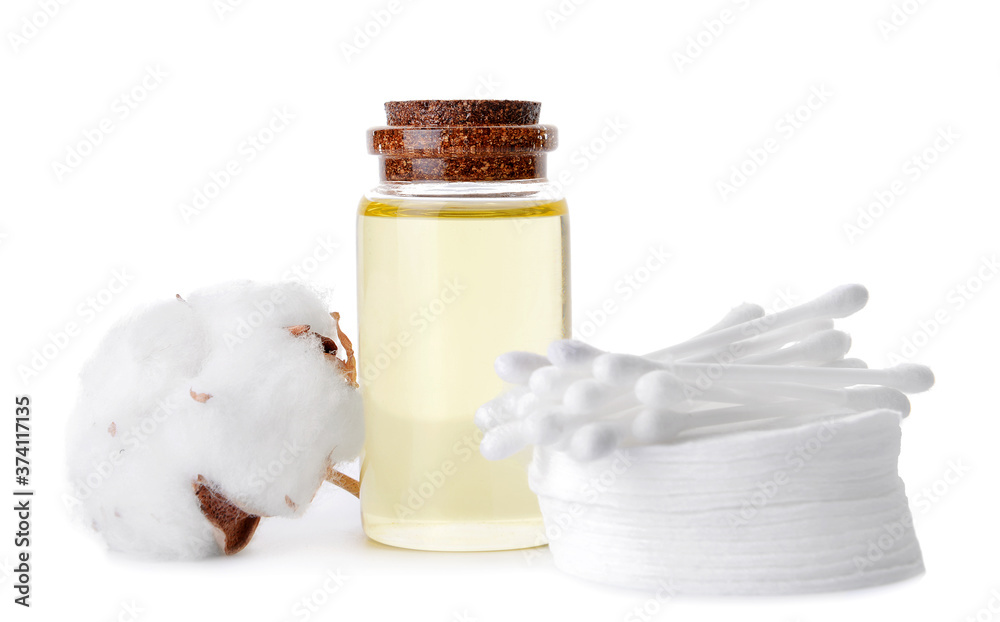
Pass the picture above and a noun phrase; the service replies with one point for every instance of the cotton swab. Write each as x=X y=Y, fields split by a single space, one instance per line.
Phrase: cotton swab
x=512 y=404
x=907 y=377
x=625 y=369
x=595 y=440
x=659 y=421
x=767 y=342
x=544 y=427
x=504 y=440
x=539 y=428
x=577 y=355
x=572 y=354
x=747 y=366
x=663 y=390
x=516 y=367
x=839 y=302
x=551 y=381
x=741 y=414
x=739 y=314
x=589 y=395
x=850 y=363
x=653 y=425
x=828 y=345
x=854 y=398
x=512 y=435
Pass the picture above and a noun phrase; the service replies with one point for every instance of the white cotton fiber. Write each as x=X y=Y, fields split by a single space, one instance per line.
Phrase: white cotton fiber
x=216 y=386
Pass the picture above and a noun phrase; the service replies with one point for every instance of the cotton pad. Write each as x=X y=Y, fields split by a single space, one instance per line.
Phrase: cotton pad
x=198 y=416
x=733 y=514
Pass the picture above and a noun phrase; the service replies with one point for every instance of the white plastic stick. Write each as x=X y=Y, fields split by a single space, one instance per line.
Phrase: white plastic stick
x=828 y=345
x=624 y=370
x=655 y=426
x=665 y=391
x=739 y=314
x=839 y=302
x=852 y=363
x=768 y=342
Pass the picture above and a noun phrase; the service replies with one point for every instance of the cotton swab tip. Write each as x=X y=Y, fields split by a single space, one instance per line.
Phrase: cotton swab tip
x=516 y=367
x=572 y=354
x=503 y=441
x=622 y=370
x=527 y=404
x=844 y=300
x=653 y=426
x=485 y=417
x=593 y=441
x=870 y=398
x=586 y=396
x=912 y=377
x=498 y=409
x=828 y=344
x=660 y=389
x=551 y=381
x=543 y=428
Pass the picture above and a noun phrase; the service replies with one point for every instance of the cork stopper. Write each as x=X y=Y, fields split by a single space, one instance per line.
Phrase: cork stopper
x=437 y=112
x=462 y=140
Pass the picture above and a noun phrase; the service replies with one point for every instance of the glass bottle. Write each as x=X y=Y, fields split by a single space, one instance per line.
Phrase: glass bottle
x=462 y=255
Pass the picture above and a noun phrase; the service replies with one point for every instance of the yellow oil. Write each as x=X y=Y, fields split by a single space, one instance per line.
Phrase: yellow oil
x=443 y=288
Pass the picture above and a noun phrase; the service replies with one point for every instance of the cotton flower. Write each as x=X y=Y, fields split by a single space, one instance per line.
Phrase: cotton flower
x=199 y=415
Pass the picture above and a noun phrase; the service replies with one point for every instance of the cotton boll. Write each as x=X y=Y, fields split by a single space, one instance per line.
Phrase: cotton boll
x=149 y=510
x=155 y=344
x=213 y=395
x=128 y=476
x=264 y=472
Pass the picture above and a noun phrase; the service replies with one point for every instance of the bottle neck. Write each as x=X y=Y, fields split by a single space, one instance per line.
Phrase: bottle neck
x=541 y=190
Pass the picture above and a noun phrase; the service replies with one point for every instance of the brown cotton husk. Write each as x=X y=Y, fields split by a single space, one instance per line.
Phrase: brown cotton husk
x=233 y=527
x=349 y=365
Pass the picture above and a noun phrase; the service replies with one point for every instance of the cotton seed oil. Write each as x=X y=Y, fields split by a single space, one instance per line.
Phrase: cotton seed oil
x=444 y=287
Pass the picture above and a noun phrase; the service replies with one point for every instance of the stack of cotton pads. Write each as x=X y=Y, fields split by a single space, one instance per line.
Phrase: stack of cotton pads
x=751 y=459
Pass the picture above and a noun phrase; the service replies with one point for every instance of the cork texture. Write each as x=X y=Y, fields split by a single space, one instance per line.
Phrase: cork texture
x=462 y=140
x=445 y=112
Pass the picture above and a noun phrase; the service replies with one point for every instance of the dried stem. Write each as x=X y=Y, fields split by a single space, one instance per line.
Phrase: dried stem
x=346 y=482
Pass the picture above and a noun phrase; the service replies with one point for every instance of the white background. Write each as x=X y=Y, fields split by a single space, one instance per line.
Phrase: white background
x=685 y=124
